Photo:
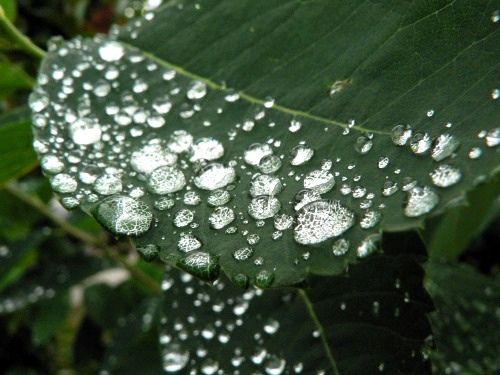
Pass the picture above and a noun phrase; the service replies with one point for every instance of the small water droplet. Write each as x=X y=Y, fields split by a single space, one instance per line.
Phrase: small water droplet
x=421 y=201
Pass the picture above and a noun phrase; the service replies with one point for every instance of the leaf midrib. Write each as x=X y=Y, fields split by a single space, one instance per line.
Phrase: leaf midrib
x=252 y=99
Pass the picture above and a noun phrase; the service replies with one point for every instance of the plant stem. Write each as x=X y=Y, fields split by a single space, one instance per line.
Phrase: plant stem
x=17 y=37
x=83 y=236
x=317 y=323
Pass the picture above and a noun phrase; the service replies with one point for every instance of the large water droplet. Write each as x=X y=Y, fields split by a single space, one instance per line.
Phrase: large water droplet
x=256 y=152
x=265 y=185
x=206 y=149
x=301 y=154
x=444 y=146
x=201 y=264
x=221 y=217
x=243 y=253
x=321 y=220
x=111 y=51
x=151 y=156
x=319 y=180
x=400 y=134
x=420 y=143
x=188 y=242
x=174 y=357
x=263 y=207
x=123 y=215
x=445 y=175
x=85 y=131
x=421 y=201
x=214 y=176
x=165 y=180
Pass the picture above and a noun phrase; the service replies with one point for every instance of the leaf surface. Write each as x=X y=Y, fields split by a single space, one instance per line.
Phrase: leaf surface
x=332 y=78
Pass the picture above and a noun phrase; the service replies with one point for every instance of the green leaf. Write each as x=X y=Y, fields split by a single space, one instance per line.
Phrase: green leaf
x=331 y=77
x=466 y=319
x=450 y=235
x=18 y=157
x=13 y=78
x=361 y=320
x=10 y=8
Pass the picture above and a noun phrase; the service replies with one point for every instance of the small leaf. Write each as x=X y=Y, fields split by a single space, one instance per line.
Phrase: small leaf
x=16 y=149
x=466 y=319
x=450 y=235
x=13 y=78
x=208 y=136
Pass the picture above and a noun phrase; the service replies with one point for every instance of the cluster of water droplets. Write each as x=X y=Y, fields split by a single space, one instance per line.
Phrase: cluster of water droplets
x=115 y=129
x=216 y=330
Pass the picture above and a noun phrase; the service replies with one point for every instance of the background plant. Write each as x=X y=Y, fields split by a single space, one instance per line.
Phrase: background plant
x=58 y=264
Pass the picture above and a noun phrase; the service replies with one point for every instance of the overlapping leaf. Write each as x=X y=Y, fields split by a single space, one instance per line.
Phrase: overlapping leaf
x=331 y=77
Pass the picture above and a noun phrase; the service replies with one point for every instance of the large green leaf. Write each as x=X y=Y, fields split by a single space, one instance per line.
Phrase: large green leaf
x=466 y=320
x=332 y=77
x=372 y=320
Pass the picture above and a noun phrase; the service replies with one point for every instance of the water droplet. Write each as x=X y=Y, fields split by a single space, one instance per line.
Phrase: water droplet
x=321 y=220
x=188 y=242
x=263 y=207
x=218 y=197
x=51 y=164
x=301 y=154
x=111 y=51
x=206 y=149
x=444 y=146
x=265 y=185
x=363 y=144
x=38 y=101
x=197 y=90
x=283 y=222
x=183 y=218
x=319 y=180
x=420 y=143
x=340 y=247
x=150 y=157
x=243 y=253
x=85 y=131
x=165 y=180
x=180 y=141
x=63 y=183
x=221 y=217
x=108 y=184
x=148 y=252
x=174 y=357
x=493 y=137
x=369 y=245
x=400 y=134
x=254 y=154
x=214 y=176
x=274 y=365
x=264 y=279
x=421 y=201
x=369 y=219
x=123 y=215
x=201 y=264
x=389 y=188
x=475 y=153
x=164 y=203
x=445 y=175
x=294 y=126
x=383 y=162
x=269 y=164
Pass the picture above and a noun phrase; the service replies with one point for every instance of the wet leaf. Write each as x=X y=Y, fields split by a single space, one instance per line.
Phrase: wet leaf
x=372 y=320
x=466 y=319
x=386 y=109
